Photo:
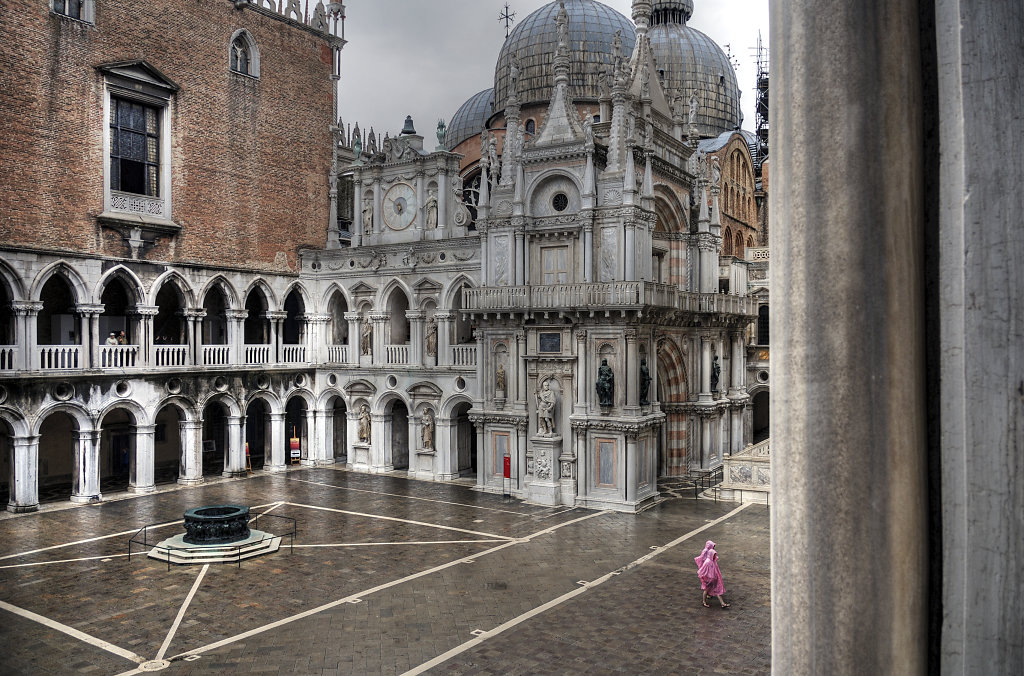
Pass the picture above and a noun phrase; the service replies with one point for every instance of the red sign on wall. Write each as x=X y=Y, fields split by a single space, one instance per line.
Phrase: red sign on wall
x=507 y=469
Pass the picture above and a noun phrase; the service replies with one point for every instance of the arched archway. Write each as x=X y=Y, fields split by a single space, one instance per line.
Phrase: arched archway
x=169 y=326
x=57 y=323
x=295 y=428
x=294 y=328
x=465 y=441
x=398 y=326
x=672 y=392
x=7 y=461
x=215 y=439
x=118 y=459
x=336 y=308
x=256 y=328
x=760 y=415
x=167 y=444
x=396 y=422
x=58 y=450
x=461 y=328
x=118 y=316
x=336 y=429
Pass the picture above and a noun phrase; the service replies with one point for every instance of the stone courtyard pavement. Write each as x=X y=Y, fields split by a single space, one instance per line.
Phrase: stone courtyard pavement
x=387 y=576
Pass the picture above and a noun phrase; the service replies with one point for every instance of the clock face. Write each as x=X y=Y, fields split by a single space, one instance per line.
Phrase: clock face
x=399 y=208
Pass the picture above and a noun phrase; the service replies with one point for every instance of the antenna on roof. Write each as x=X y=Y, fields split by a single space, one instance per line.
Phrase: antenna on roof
x=508 y=17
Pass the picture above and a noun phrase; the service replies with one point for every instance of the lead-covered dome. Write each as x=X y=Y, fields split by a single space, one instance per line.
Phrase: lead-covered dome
x=470 y=119
x=592 y=28
x=688 y=59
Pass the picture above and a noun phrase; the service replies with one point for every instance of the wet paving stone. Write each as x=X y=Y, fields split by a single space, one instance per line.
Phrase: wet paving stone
x=389 y=575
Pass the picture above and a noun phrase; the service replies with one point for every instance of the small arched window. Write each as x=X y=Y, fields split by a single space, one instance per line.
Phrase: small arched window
x=727 y=242
x=243 y=56
x=531 y=126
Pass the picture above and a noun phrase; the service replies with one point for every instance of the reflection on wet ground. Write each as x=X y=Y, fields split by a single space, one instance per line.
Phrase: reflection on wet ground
x=388 y=576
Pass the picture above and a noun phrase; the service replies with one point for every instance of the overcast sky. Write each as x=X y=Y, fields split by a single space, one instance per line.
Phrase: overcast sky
x=426 y=57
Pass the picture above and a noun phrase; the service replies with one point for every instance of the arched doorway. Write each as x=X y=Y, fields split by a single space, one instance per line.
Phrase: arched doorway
x=169 y=324
x=167 y=444
x=672 y=389
x=117 y=450
x=294 y=327
x=6 y=461
x=215 y=439
x=257 y=432
x=465 y=441
x=295 y=428
x=58 y=442
x=398 y=421
x=462 y=329
x=118 y=302
x=398 y=326
x=56 y=323
x=338 y=433
x=761 y=426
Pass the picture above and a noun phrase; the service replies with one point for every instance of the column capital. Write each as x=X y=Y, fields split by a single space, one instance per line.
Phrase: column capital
x=26 y=307
x=236 y=314
x=414 y=314
x=630 y=334
x=145 y=429
x=581 y=336
x=380 y=316
x=147 y=310
x=90 y=308
x=352 y=316
x=443 y=315
x=194 y=313
x=275 y=314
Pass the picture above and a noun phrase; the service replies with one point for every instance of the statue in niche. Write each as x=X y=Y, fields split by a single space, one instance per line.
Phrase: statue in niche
x=366 y=338
x=432 y=337
x=499 y=379
x=605 y=384
x=441 y=128
x=716 y=372
x=367 y=217
x=546 y=410
x=588 y=129
x=431 y=210
x=694 y=107
x=645 y=382
x=427 y=429
x=364 y=424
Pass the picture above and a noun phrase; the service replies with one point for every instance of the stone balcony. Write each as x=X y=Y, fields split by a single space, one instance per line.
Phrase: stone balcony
x=602 y=296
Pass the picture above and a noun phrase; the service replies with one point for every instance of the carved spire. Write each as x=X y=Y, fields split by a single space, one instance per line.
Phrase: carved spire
x=562 y=124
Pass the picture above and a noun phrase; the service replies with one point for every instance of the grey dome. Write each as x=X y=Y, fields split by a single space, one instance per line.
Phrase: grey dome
x=469 y=120
x=592 y=27
x=691 y=60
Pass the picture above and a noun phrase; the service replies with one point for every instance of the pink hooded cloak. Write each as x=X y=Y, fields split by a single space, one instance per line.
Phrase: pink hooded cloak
x=708 y=571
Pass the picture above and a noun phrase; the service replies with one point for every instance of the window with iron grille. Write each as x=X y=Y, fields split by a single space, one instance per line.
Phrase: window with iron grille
x=134 y=147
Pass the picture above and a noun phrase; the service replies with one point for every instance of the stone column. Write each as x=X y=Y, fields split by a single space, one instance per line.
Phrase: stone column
x=147 y=339
x=142 y=479
x=442 y=201
x=705 y=440
x=522 y=392
x=519 y=256
x=192 y=319
x=705 y=368
x=588 y=253
x=417 y=350
x=737 y=380
x=357 y=211
x=26 y=315
x=631 y=373
x=377 y=220
x=482 y=229
x=235 y=452
x=380 y=321
x=845 y=512
x=629 y=270
x=89 y=328
x=277 y=460
x=190 y=466
x=86 y=475
x=738 y=441
x=276 y=318
x=380 y=443
x=481 y=469
x=236 y=334
x=353 y=337
x=25 y=475
x=444 y=331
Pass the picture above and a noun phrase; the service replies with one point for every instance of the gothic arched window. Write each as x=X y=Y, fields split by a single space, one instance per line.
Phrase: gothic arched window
x=244 y=57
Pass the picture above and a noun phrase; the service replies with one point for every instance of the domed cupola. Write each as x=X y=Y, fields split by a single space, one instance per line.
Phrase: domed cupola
x=470 y=119
x=687 y=60
x=592 y=27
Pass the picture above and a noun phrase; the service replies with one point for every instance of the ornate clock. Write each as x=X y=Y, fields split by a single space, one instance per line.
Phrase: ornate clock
x=399 y=209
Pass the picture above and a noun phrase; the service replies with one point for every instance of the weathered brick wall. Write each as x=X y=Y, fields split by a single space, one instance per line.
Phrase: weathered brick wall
x=250 y=157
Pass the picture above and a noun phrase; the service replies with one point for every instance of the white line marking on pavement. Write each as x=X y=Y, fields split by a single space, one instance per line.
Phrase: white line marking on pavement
x=71 y=631
x=104 y=557
x=409 y=497
x=358 y=596
x=584 y=586
x=133 y=531
x=381 y=544
x=181 y=612
x=392 y=518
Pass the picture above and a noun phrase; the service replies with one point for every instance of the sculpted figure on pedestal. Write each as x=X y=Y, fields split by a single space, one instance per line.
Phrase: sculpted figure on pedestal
x=432 y=337
x=364 y=424
x=645 y=382
x=605 y=384
x=366 y=338
x=694 y=107
x=367 y=218
x=432 y=210
x=499 y=379
x=546 y=410
x=427 y=429
x=716 y=372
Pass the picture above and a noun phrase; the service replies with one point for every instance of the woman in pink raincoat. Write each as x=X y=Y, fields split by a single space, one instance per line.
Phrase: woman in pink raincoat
x=711 y=583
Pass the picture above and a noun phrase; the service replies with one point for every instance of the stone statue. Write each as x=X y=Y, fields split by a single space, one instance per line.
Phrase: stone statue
x=605 y=384
x=716 y=372
x=520 y=142
x=702 y=166
x=440 y=133
x=358 y=148
x=588 y=129
x=645 y=82
x=432 y=210
x=364 y=424
x=603 y=91
x=716 y=170
x=499 y=379
x=546 y=410
x=484 y=145
x=492 y=155
x=645 y=382
x=427 y=429
x=513 y=74
x=432 y=337
x=366 y=338
x=562 y=24
x=617 y=46
x=694 y=106
x=367 y=217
